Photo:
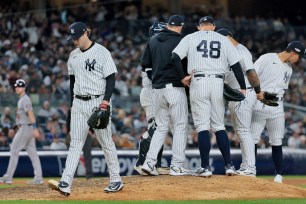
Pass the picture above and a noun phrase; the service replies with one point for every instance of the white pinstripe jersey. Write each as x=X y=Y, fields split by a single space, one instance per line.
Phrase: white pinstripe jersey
x=273 y=74
x=146 y=82
x=246 y=64
x=90 y=69
x=208 y=52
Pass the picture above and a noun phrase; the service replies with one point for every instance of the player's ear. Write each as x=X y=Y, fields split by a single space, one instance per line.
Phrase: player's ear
x=198 y=27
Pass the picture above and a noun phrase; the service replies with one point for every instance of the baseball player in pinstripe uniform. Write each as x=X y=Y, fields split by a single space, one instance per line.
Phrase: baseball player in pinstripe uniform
x=147 y=102
x=24 y=139
x=209 y=55
x=274 y=71
x=169 y=97
x=92 y=80
x=241 y=112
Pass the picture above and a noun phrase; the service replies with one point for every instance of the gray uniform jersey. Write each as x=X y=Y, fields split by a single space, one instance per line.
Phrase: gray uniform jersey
x=208 y=52
x=241 y=112
x=90 y=69
x=24 y=105
x=24 y=139
x=274 y=76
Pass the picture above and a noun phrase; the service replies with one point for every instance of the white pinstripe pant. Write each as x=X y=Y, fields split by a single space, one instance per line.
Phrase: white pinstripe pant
x=80 y=112
x=271 y=117
x=147 y=101
x=241 y=114
x=171 y=101
x=207 y=103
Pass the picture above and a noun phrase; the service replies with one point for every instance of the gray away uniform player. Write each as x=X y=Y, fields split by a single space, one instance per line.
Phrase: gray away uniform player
x=209 y=54
x=241 y=112
x=24 y=138
x=274 y=71
x=92 y=80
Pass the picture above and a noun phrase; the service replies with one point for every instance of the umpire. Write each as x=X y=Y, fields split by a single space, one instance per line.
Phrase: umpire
x=168 y=82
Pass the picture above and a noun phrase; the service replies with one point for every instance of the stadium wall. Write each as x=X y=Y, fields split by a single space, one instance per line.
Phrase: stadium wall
x=53 y=162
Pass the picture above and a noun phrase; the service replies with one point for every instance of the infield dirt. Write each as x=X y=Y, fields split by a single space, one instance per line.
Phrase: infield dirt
x=164 y=188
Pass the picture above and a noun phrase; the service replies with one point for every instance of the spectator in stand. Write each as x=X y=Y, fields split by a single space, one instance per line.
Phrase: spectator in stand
x=7 y=119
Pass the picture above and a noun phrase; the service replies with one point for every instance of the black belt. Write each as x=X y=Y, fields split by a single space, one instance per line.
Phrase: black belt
x=24 y=124
x=87 y=98
x=161 y=86
x=249 y=88
x=208 y=75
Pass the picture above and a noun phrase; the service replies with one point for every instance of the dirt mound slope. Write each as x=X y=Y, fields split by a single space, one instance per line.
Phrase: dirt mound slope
x=163 y=188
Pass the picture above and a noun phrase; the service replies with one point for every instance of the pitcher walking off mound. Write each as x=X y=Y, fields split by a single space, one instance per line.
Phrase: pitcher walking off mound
x=92 y=80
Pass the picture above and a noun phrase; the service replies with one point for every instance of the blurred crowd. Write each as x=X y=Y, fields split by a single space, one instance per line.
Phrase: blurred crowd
x=35 y=48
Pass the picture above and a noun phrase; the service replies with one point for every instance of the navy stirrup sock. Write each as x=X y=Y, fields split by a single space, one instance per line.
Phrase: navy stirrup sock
x=277 y=155
x=223 y=144
x=204 y=147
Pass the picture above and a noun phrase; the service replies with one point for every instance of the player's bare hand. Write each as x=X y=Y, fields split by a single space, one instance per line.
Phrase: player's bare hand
x=36 y=133
x=260 y=96
x=243 y=91
x=186 y=81
x=104 y=105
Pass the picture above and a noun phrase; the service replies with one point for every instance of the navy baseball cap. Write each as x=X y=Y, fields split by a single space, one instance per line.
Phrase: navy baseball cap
x=297 y=47
x=207 y=19
x=176 y=20
x=20 y=83
x=76 y=30
x=225 y=32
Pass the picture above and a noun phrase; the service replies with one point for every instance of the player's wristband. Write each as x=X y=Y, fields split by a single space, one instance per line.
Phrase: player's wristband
x=257 y=89
x=34 y=126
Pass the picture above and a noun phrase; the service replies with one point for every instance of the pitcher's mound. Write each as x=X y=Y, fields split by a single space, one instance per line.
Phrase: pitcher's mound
x=163 y=188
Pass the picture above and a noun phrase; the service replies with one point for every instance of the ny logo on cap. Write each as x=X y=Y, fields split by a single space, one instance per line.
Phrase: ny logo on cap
x=297 y=50
x=72 y=31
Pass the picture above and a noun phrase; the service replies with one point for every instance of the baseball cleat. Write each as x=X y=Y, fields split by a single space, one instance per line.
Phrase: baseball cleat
x=5 y=180
x=230 y=170
x=114 y=187
x=54 y=185
x=163 y=170
x=35 y=182
x=149 y=168
x=204 y=172
x=178 y=171
x=139 y=171
x=246 y=172
x=278 y=179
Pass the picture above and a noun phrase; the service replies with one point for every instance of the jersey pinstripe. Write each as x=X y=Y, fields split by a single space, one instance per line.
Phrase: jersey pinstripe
x=208 y=52
x=90 y=69
x=246 y=64
x=274 y=76
x=241 y=112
